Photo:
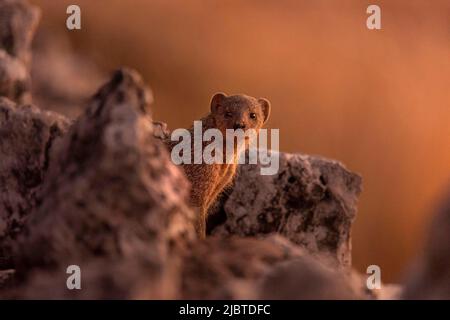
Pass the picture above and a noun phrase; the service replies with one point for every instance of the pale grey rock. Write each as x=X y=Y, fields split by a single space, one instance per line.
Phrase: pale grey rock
x=311 y=201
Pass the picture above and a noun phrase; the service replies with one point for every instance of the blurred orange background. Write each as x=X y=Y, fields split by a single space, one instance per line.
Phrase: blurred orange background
x=377 y=100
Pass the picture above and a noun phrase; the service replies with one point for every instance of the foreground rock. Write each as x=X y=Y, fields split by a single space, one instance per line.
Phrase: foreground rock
x=18 y=21
x=112 y=203
x=27 y=134
x=309 y=278
x=311 y=201
x=430 y=276
x=249 y=268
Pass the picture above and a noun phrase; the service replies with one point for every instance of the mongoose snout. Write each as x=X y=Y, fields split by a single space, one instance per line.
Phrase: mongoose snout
x=239 y=126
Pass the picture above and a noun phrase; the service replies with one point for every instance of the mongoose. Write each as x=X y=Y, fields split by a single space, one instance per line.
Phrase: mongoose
x=209 y=180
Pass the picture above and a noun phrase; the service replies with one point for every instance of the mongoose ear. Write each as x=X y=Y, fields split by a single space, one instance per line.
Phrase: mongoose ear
x=216 y=101
x=265 y=106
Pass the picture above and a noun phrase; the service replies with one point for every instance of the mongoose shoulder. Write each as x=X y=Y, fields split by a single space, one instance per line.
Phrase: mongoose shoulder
x=209 y=180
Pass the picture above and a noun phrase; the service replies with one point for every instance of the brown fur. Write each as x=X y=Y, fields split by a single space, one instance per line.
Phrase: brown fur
x=209 y=180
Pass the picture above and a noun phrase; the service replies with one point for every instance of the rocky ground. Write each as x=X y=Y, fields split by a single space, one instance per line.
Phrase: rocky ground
x=98 y=190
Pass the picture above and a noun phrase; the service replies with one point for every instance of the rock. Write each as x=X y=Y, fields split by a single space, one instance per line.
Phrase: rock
x=311 y=201
x=429 y=278
x=232 y=268
x=266 y=268
x=160 y=130
x=100 y=279
x=308 y=278
x=14 y=78
x=112 y=203
x=26 y=137
x=18 y=20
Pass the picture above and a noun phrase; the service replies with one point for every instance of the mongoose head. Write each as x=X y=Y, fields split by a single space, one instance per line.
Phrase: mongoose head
x=239 y=112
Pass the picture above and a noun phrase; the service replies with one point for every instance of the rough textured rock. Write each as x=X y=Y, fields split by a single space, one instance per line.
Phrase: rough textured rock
x=311 y=201
x=430 y=277
x=18 y=21
x=231 y=268
x=26 y=136
x=307 y=278
x=112 y=203
x=265 y=268
x=160 y=130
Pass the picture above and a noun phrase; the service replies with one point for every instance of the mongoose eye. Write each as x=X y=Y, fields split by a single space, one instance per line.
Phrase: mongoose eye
x=228 y=114
x=253 y=115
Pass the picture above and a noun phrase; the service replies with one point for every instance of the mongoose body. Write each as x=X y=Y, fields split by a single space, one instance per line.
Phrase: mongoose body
x=209 y=180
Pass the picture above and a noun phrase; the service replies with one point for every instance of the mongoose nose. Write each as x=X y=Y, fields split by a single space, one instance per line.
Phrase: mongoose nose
x=238 y=125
